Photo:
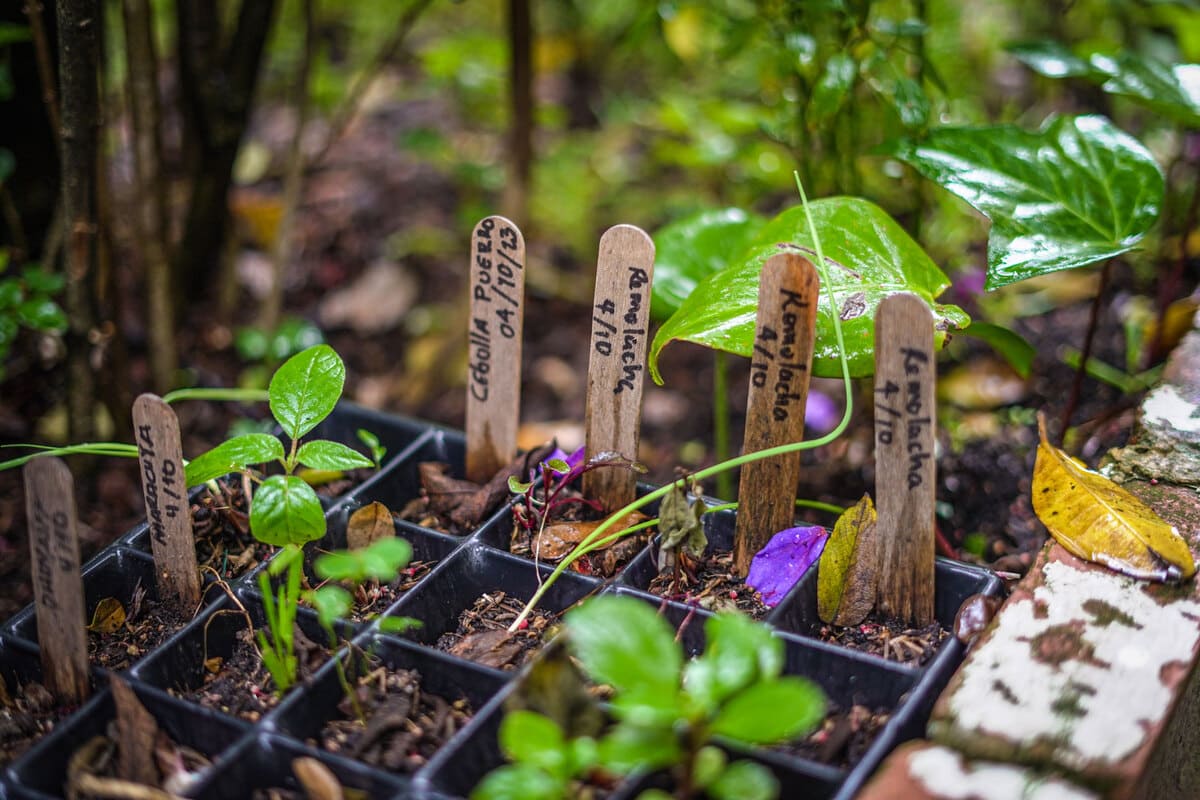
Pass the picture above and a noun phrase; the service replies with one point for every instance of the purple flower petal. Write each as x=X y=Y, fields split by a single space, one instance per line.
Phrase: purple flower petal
x=573 y=460
x=776 y=568
x=821 y=414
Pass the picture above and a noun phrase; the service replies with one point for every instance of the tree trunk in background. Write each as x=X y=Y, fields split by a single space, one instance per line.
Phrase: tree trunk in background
x=217 y=84
x=78 y=64
x=150 y=186
x=293 y=180
x=520 y=82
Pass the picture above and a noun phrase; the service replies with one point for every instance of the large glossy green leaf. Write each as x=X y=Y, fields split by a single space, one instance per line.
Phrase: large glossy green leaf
x=869 y=256
x=233 y=455
x=1050 y=58
x=622 y=642
x=285 y=510
x=1075 y=192
x=690 y=249
x=306 y=388
x=740 y=651
x=324 y=454
x=1170 y=89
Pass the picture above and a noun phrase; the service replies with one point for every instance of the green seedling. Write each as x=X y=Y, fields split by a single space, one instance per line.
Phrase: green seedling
x=285 y=511
x=667 y=713
x=27 y=301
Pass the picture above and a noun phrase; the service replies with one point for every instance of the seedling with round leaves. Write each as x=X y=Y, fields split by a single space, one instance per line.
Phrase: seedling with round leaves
x=667 y=713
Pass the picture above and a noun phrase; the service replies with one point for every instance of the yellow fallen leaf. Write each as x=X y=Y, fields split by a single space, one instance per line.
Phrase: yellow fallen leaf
x=846 y=574
x=368 y=525
x=1097 y=520
x=108 y=617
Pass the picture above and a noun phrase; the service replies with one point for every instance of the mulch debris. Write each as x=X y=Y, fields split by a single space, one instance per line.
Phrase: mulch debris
x=710 y=584
x=891 y=640
x=482 y=635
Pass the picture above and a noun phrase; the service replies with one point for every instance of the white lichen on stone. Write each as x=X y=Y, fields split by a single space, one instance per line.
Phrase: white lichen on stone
x=944 y=775
x=1078 y=668
x=1165 y=406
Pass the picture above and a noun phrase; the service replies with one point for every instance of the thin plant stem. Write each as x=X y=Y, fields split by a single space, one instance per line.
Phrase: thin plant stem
x=231 y=395
x=592 y=540
x=721 y=420
x=1093 y=321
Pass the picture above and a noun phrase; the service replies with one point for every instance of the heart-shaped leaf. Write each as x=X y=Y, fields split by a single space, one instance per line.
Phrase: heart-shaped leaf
x=869 y=257
x=690 y=249
x=1170 y=89
x=1075 y=192
x=846 y=573
x=285 y=510
x=1097 y=520
x=233 y=455
x=324 y=454
x=306 y=388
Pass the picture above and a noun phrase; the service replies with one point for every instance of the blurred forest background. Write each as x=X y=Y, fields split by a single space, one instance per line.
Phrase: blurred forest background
x=191 y=191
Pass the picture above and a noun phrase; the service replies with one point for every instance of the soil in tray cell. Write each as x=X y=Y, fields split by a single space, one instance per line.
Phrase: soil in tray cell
x=27 y=713
x=124 y=634
x=482 y=634
x=222 y=528
x=710 y=584
x=371 y=600
x=843 y=738
x=401 y=726
x=890 y=639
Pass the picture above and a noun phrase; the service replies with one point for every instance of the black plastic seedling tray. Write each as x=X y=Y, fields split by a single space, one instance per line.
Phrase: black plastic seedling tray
x=258 y=755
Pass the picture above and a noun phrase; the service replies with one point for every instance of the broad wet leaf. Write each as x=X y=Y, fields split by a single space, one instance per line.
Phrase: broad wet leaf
x=1099 y=521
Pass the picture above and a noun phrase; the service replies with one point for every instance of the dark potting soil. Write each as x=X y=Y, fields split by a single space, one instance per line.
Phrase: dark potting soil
x=889 y=639
x=710 y=584
x=482 y=634
x=402 y=726
x=27 y=713
x=147 y=624
x=222 y=529
x=241 y=686
x=843 y=738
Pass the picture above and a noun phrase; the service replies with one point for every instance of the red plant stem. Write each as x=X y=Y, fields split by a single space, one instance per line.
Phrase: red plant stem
x=943 y=544
x=1093 y=321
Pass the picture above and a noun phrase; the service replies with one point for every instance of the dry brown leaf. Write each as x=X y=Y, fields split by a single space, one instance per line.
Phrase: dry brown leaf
x=318 y=780
x=1097 y=520
x=368 y=525
x=847 y=572
x=136 y=734
x=108 y=617
x=558 y=539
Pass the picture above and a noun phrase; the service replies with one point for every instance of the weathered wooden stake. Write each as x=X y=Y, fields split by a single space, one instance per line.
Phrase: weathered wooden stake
x=494 y=346
x=168 y=513
x=905 y=470
x=57 y=584
x=616 y=368
x=788 y=292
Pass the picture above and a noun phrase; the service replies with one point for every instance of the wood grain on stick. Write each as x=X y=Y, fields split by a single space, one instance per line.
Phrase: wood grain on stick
x=780 y=366
x=905 y=470
x=617 y=366
x=494 y=346
x=168 y=513
x=57 y=584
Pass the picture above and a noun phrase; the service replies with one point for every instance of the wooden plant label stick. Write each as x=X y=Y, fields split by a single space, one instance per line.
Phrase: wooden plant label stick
x=905 y=471
x=57 y=584
x=168 y=512
x=494 y=346
x=616 y=368
x=788 y=292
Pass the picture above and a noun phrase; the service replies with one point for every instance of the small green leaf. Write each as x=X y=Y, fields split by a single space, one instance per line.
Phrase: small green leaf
x=324 y=454
x=12 y=33
x=233 y=455
x=869 y=257
x=399 y=624
x=286 y=510
x=293 y=335
x=709 y=765
x=832 y=89
x=340 y=565
x=42 y=314
x=11 y=293
x=622 y=642
x=745 y=780
x=911 y=103
x=627 y=748
x=331 y=604
x=739 y=653
x=846 y=573
x=383 y=559
x=378 y=451
x=557 y=465
x=306 y=388
x=530 y=738
x=771 y=712
x=519 y=782
x=1011 y=346
x=518 y=486
x=1050 y=58
x=1076 y=192
x=251 y=344
x=690 y=249
x=41 y=280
